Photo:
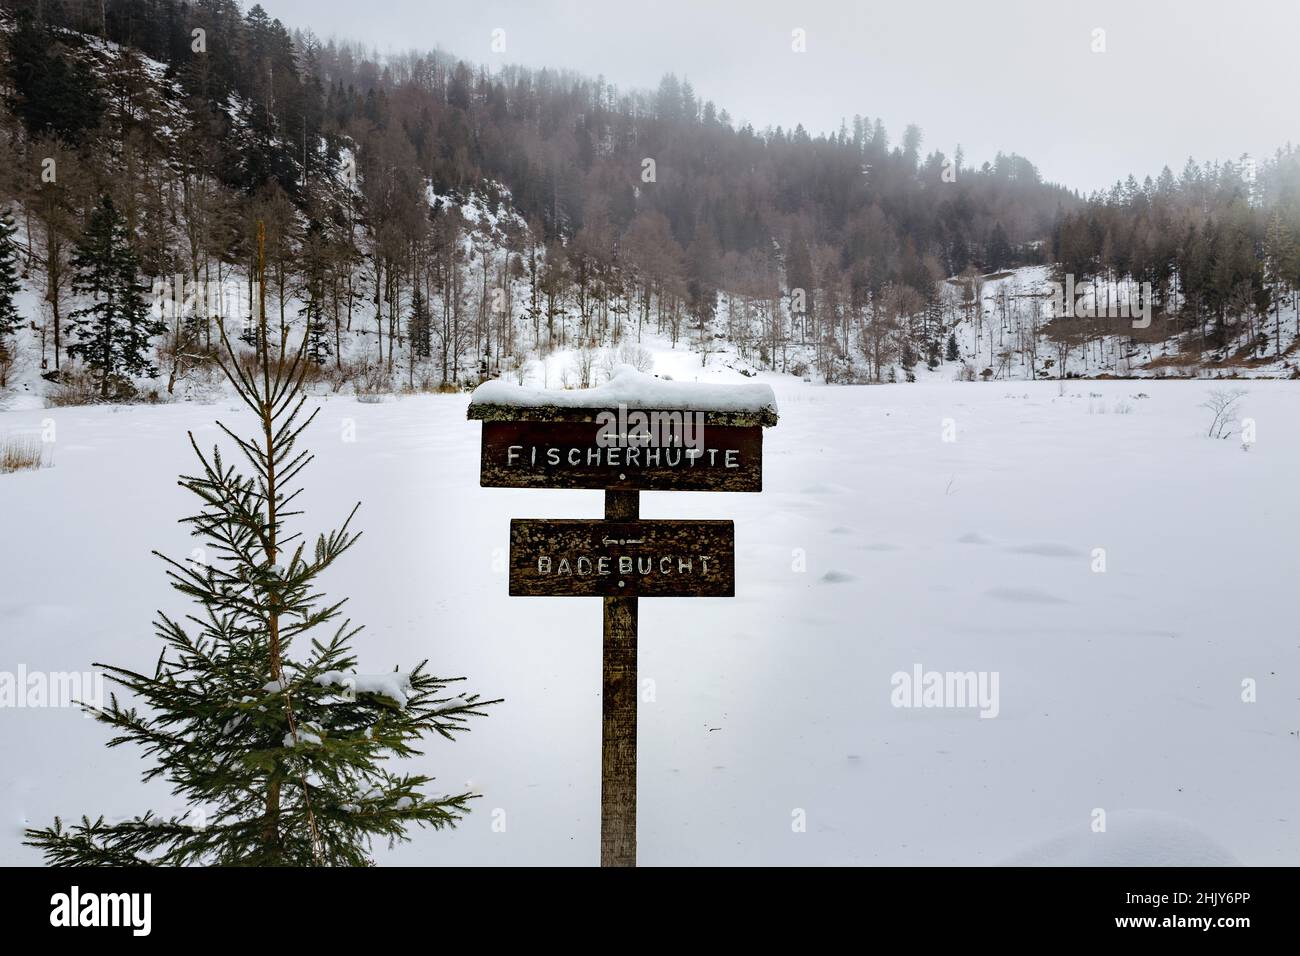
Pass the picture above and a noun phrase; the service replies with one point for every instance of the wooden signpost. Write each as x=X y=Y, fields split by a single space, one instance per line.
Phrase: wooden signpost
x=635 y=434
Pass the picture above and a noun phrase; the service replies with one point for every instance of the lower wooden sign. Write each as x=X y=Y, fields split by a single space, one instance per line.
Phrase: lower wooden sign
x=594 y=558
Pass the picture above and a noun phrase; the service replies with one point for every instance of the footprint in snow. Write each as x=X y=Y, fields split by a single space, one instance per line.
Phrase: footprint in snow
x=841 y=530
x=1047 y=550
x=880 y=546
x=836 y=577
x=973 y=537
x=1024 y=596
x=820 y=489
x=1133 y=838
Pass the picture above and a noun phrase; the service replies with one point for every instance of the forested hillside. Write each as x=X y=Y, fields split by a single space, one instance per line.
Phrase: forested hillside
x=428 y=223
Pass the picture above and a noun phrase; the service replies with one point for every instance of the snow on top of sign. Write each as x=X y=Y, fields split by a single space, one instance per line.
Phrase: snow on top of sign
x=633 y=389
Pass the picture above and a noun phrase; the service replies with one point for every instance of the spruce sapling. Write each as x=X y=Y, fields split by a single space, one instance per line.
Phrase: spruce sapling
x=280 y=758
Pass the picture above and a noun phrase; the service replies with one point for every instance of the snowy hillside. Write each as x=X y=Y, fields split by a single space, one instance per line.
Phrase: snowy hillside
x=1003 y=341
x=1009 y=339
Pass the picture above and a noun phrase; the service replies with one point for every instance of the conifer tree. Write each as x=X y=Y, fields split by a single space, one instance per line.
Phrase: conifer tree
x=419 y=325
x=10 y=320
x=315 y=249
x=112 y=333
x=999 y=249
x=950 y=353
x=53 y=93
x=255 y=714
x=1279 y=256
x=418 y=328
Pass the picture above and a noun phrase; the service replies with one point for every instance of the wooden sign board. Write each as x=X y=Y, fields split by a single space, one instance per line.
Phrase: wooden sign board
x=569 y=454
x=594 y=558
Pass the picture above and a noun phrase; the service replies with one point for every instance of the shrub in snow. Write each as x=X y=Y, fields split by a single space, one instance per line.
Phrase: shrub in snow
x=20 y=454
x=636 y=355
x=1222 y=404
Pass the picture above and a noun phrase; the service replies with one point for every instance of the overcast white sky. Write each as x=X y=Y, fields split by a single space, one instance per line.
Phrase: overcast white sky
x=1207 y=78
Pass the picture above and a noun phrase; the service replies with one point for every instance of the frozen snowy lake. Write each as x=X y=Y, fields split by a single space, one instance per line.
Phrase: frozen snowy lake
x=1119 y=690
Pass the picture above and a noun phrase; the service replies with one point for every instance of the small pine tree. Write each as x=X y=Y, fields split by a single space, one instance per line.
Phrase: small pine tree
x=1279 y=258
x=319 y=348
x=10 y=320
x=950 y=353
x=112 y=333
x=418 y=329
x=279 y=758
x=314 y=292
x=419 y=325
x=250 y=333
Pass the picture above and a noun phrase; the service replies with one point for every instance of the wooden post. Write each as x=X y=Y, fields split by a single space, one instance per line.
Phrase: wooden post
x=618 y=711
x=621 y=558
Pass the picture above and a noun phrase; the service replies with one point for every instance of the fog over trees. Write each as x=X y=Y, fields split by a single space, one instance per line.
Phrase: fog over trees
x=456 y=220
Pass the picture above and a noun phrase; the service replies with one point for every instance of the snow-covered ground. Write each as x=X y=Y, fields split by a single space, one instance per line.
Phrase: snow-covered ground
x=876 y=547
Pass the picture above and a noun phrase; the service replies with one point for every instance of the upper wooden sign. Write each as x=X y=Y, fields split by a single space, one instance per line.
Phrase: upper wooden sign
x=569 y=454
x=635 y=433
